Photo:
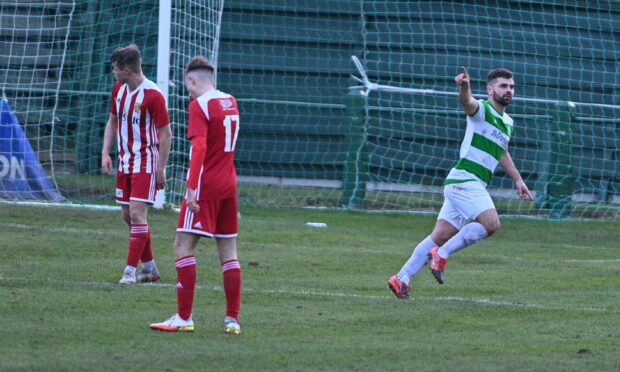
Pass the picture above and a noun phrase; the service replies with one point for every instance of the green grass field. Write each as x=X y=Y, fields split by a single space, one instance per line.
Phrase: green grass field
x=539 y=295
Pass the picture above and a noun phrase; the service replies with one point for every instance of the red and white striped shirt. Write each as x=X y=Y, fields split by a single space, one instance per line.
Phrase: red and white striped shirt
x=139 y=114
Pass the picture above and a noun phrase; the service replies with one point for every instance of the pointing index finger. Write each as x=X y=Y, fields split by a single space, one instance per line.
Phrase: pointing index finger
x=464 y=70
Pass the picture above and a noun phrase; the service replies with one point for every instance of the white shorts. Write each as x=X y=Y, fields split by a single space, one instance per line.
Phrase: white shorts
x=464 y=202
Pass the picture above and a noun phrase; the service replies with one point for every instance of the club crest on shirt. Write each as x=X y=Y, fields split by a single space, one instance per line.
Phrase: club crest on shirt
x=137 y=107
x=226 y=103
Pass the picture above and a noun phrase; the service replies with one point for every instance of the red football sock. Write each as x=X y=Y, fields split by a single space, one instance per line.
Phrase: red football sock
x=147 y=253
x=231 y=271
x=186 y=274
x=137 y=241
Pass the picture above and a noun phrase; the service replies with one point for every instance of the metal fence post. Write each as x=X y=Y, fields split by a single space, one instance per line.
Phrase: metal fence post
x=356 y=165
x=559 y=188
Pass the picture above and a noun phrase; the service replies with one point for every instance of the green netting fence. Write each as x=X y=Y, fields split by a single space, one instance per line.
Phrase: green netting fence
x=311 y=133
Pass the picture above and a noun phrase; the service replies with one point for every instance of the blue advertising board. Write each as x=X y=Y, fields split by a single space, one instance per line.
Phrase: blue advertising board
x=21 y=174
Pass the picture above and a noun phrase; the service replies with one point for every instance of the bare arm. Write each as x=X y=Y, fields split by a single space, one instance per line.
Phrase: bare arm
x=165 y=141
x=509 y=166
x=469 y=103
x=199 y=151
x=109 y=135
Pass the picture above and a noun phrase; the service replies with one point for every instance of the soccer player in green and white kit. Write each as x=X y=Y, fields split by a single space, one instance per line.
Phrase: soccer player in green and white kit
x=466 y=199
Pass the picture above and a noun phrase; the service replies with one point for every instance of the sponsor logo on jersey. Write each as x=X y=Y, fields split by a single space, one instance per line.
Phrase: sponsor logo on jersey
x=499 y=136
x=226 y=103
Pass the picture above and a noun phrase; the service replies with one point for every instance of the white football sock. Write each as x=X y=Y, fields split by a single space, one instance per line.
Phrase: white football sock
x=130 y=269
x=469 y=234
x=416 y=262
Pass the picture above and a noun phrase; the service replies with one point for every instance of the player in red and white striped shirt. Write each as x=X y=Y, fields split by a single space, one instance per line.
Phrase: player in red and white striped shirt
x=210 y=205
x=139 y=120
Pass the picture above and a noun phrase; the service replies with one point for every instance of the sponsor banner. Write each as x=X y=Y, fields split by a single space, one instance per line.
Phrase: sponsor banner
x=21 y=174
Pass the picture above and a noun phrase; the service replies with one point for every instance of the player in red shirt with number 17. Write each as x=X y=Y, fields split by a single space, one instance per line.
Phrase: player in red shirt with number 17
x=210 y=205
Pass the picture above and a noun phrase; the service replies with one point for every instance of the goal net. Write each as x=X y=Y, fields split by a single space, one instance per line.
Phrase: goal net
x=308 y=140
x=319 y=128
x=58 y=81
x=565 y=110
x=33 y=47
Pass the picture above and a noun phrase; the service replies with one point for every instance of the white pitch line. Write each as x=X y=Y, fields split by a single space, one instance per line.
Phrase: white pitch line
x=585 y=260
x=62 y=230
x=483 y=301
x=303 y=292
x=602 y=260
x=64 y=205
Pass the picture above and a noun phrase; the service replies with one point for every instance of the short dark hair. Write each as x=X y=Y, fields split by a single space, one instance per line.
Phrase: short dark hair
x=199 y=63
x=499 y=73
x=128 y=56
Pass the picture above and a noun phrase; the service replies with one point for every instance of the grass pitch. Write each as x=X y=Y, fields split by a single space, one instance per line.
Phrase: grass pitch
x=539 y=295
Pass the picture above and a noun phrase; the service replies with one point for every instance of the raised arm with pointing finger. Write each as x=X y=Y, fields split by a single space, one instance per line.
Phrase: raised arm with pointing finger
x=469 y=103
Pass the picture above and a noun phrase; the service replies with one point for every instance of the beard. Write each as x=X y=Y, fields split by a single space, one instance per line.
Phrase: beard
x=504 y=100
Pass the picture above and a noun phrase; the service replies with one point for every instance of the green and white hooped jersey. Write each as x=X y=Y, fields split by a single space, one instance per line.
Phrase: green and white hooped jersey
x=486 y=139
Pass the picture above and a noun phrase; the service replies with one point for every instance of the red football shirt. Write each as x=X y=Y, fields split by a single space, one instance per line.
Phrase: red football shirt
x=139 y=114
x=215 y=116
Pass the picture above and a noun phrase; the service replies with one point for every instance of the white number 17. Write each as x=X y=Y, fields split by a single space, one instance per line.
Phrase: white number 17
x=230 y=139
